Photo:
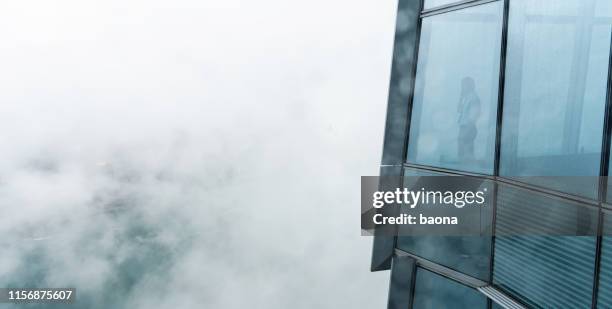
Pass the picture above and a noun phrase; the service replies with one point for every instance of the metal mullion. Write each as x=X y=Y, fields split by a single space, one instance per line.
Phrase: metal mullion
x=446 y=170
x=410 y=102
x=444 y=271
x=453 y=7
x=413 y=74
x=498 y=128
x=606 y=206
x=500 y=90
x=603 y=179
x=458 y=277
x=551 y=193
x=501 y=298
x=564 y=196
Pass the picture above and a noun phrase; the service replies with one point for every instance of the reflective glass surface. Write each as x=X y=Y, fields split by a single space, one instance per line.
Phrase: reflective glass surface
x=526 y=212
x=555 y=91
x=456 y=90
x=554 y=102
x=467 y=254
x=433 y=291
x=539 y=269
x=546 y=271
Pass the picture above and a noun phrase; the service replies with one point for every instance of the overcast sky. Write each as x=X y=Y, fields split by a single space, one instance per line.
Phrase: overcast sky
x=192 y=154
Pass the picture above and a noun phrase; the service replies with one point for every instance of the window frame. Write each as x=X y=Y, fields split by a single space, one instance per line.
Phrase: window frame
x=390 y=249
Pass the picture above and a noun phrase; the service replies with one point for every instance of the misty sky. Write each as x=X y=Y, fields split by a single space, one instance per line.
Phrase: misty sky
x=192 y=154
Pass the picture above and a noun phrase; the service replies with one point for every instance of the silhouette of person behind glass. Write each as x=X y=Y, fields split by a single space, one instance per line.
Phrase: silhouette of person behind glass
x=469 y=111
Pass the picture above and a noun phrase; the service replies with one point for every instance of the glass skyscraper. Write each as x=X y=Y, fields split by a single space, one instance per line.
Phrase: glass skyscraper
x=515 y=92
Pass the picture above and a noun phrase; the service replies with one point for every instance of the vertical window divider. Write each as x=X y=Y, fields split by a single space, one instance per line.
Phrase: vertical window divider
x=500 y=111
x=413 y=72
x=603 y=179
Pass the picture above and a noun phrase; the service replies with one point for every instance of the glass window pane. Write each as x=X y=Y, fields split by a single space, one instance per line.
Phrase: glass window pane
x=546 y=271
x=604 y=9
x=549 y=271
x=526 y=212
x=535 y=267
x=434 y=291
x=556 y=76
x=456 y=91
x=467 y=254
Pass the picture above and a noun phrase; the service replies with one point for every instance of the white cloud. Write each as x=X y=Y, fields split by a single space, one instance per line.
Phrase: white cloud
x=204 y=153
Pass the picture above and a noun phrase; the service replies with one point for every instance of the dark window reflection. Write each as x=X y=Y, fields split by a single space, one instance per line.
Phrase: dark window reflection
x=605 y=276
x=433 y=292
x=468 y=111
x=546 y=271
x=524 y=212
x=467 y=254
x=539 y=269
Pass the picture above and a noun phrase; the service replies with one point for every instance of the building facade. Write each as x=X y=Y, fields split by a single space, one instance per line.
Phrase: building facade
x=515 y=92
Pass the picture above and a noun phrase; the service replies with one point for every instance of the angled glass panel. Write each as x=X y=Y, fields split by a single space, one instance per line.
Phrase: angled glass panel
x=555 y=91
x=456 y=92
x=402 y=279
x=433 y=291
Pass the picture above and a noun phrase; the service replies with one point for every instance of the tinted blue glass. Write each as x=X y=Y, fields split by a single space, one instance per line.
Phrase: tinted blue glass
x=467 y=254
x=456 y=90
x=546 y=271
x=604 y=299
x=434 y=291
x=556 y=75
x=525 y=212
